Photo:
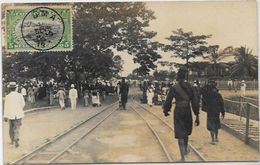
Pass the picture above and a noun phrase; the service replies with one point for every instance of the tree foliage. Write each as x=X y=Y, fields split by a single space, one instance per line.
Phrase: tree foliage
x=186 y=45
x=214 y=56
x=162 y=75
x=246 y=64
x=99 y=31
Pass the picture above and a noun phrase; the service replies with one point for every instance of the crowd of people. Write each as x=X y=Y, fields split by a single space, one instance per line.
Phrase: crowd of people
x=154 y=92
x=16 y=96
x=49 y=92
x=188 y=97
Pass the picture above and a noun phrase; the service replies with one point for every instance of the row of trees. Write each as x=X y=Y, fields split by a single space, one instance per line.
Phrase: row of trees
x=187 y=46
x=100 y=30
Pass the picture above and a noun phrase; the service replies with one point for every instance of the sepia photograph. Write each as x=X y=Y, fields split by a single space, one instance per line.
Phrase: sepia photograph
x=130 y=82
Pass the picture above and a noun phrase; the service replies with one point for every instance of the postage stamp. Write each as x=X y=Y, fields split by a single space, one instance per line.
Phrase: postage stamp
x=38 y=28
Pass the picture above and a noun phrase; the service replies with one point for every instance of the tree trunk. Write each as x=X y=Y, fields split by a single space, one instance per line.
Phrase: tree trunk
x=187 y=67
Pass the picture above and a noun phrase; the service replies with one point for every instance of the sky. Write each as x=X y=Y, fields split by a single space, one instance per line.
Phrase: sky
x=231 y=23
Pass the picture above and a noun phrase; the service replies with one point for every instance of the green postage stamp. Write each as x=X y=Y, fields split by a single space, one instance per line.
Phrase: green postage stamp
x=38 y=28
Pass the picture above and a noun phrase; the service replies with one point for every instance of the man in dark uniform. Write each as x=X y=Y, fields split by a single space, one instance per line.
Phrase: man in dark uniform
x=124 y=88
x=213 y=104
x=184 y=94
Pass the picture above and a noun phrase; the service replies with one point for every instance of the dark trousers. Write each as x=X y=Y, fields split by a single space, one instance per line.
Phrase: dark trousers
x=124 y=105
x=14 y=126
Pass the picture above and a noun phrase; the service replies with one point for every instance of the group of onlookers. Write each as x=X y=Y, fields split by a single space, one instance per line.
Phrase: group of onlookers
x=236 y=84
x=16 y=96
x=154 y=92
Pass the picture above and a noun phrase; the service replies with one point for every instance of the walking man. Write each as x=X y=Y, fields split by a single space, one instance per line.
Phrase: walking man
x=73 y=95
x=229 y=83
x=61 y=96
x=184 y=95
x=13 y=111
x=243 y=88
x=124 y=89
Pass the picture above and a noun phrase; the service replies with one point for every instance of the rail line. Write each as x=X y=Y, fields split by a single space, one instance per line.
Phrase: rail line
x=155 y=134
x=201 y=157
x=45 y=153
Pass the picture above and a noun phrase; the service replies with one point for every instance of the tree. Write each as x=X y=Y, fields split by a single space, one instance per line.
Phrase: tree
x=246 y=64
x=186 y=45
x=99 y=30
x=119 y=26
x=215 y=55
x=163 y=75
x=199 y=67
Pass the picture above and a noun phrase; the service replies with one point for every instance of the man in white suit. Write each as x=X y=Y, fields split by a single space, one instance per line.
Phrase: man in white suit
x=73 y=95
x=13 y=111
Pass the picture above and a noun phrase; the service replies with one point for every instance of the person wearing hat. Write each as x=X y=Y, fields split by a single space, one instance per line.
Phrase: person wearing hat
x=185 y=96
x=124 y=89
x=213 y=104
x=73 y=95
x=61 y=96
x=13 y=111
x=243 y=88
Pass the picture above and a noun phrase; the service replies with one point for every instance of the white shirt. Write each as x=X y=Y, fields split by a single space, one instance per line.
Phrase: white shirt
x=243 y=86
x=23 y=91
x=73 y=94
x=13 y=106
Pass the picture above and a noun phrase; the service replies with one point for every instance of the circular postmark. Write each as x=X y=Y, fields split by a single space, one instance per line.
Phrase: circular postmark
x=42 y=28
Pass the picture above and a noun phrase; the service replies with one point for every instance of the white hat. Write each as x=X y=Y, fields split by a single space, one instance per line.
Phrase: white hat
x=243 y=81
x=12 y=85
x=72 y=86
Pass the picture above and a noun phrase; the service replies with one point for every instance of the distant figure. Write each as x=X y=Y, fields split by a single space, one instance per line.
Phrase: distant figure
x=144 y=90
x=150 y=95
x=73 y=95
x=164 y=93
x=31 y=96
x=13 y=111
x=124 y=89
x=213 y=105
x=118 y=87
x=243 y=88
x=230 y=84
x=95 y=98
x=23 y=92
x=186 y=99
x=51 y=94
x=86 y=98
x=235 y=85
x=61 y=96
x=197 y=89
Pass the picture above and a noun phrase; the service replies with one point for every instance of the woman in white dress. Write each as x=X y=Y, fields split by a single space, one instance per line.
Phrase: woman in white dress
x=150 y=95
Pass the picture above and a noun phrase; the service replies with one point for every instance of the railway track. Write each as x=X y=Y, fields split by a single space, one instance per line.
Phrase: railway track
x=165 y=151
x=52 y=150
x=197 y=156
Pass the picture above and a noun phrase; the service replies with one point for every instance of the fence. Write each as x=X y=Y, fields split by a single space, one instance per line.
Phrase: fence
x=247 y=110
x=250 y=85
x=250 y=100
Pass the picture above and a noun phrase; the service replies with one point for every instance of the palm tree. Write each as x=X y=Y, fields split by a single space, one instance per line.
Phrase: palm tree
x=215 y=55
x=246 y=63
